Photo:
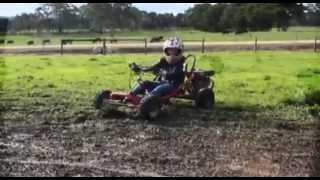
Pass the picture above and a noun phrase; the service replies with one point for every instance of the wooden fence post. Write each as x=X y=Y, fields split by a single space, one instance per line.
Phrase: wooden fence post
x=256 y=45
x=61 y=47
x=145 y=46
x=104 y=46
x=315 y=44
x=203 y=45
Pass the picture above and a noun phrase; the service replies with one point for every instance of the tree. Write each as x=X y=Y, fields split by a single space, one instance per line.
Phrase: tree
x=180 y=20
x=165 y=20
x=225 y=22
x=198 y=16
x=151 y=21
x=43 y=15
x=240 y=23
x=287 y=12
x=214 y=16
x=313 y=14
x=243 y=17
x=83 y=17
x=219 y=17
x=64 y=15
x=3 y=25
x=234 y=19
x=134 y=16
x=258 y=16
x=100 y=16
x=120 y=14
x=112 y=15
x=25 y=21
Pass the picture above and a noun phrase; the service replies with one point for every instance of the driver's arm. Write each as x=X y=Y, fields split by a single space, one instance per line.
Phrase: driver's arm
x=154 y=68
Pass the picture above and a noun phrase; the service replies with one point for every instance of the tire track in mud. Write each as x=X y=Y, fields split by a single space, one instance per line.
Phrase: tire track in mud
x=316 y=148
x=186 y=143
x=160 y=150
x=107 y=170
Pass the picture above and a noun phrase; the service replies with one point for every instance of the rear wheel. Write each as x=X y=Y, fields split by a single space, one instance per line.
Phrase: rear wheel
x=205 y=99
x=150 y=107
x=98 y=100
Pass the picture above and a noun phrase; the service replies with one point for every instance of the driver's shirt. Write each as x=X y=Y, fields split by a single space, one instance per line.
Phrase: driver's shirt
x=174 y=75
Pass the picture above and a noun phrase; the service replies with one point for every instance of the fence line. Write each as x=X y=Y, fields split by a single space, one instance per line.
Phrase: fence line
x=144 y=40
x=104 y=40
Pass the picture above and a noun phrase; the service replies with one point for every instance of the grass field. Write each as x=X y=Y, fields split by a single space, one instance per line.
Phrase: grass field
x=245 y=79
x=293 y=33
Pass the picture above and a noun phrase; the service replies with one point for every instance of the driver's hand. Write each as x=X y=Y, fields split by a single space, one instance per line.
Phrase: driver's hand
x=163 y=72
x=135 y=68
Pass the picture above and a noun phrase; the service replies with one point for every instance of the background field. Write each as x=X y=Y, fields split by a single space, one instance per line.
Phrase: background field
x=293 y=33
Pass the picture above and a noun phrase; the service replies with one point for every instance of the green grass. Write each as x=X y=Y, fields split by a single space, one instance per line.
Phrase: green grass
x=264 y=89
x=307 y=33
x=245 y=79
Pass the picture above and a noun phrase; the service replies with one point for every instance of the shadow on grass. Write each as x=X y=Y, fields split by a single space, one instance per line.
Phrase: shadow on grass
x=289 y=117
x=246 y=116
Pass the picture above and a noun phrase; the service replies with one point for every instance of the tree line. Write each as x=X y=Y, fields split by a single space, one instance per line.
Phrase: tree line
x=3 y=25
x=219 y=17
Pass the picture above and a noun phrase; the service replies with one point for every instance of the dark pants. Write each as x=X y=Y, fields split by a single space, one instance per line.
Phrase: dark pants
x=161 y=88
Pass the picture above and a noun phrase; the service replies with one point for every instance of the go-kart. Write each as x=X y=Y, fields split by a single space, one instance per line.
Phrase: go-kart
x=197 y=86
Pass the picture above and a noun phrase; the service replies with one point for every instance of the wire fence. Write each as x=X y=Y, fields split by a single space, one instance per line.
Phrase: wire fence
x=198 y=45
x=146 y=45
x=126 y=40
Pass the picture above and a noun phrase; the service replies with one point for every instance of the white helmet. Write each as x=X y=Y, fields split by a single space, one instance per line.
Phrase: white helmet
x=173 y=42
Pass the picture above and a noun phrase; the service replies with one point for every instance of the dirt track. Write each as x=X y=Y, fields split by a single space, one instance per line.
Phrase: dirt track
x=157 y=47
x=42 y=140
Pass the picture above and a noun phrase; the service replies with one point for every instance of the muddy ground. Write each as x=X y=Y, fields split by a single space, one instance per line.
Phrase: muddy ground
x=48 y=138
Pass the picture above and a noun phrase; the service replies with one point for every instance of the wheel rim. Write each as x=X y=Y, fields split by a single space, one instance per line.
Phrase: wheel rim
x=100 y=98
x=154 y=113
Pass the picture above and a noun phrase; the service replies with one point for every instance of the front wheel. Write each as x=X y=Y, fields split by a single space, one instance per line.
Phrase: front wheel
x=205 y=99
x=150 y=107
x=98 y=100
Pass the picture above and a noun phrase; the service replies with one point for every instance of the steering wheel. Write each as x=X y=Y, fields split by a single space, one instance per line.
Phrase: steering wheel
x=135 y=71
x=186 y=70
